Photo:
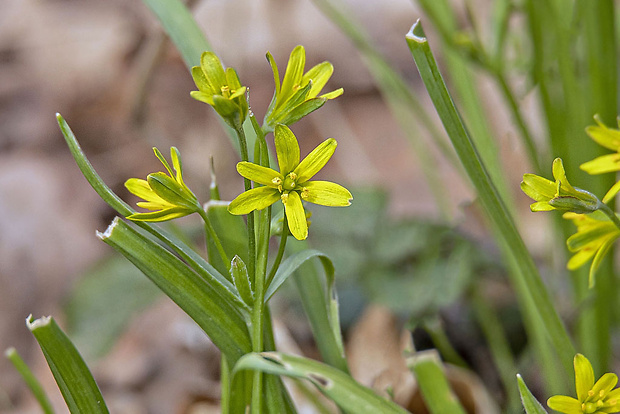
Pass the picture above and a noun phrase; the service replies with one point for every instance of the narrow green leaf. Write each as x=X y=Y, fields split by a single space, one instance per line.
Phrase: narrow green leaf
x=76 y=383
x=180 y=25
x=527 y=281
x=335 y=384
x=32 y=382
x=530 y=403
x=436 y=391
x=218 y=312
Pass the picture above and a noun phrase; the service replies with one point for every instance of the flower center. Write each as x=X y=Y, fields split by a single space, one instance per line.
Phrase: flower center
x=289 y=182
x=226 y=92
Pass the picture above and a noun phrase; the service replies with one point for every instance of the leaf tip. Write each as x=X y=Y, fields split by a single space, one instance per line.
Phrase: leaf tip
x=416 y=33
x=33 y=324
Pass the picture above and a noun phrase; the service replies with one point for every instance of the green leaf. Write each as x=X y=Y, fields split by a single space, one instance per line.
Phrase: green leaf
x=75 y=381
x=182 y=29
x=216 y=310
x=436 y=391
x=530 y=403
x=335 y=384
x=30 y=379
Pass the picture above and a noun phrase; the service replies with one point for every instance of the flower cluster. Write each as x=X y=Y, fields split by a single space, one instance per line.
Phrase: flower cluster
x=592 y=398
x=165 y=194
x=292 y=184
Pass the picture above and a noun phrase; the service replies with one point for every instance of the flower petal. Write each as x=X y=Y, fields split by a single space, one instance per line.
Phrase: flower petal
x=295 y=215
x=333 y=94
x=287 y=149
x=603 y=164
x=163 y=160
x=201 y=81
x=584 y=377
x=605 y=384
x=541 y=206
x=319 y=75
x=580 y=258
x=560 y=175
x=316 y=160
x=176 y=164
x=202 y=97
x=294 y=73
x=254 y=199
x=276 y=73
x=596 y=263
x=258 y=173
x=214 y=72
x=612 y=192
x=171 y=191
x=564 y=404
x=538 y=188
x=590 y=235
x=141 y=188
x=604 y=136
x=326 y=193
x=162 y=215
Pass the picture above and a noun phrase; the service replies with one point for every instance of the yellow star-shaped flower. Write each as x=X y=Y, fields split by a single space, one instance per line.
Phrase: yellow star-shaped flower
x=592 y=398
x=292 y=184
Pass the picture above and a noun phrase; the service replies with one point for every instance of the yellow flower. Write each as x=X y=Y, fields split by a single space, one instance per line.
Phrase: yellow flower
x=165 y=194
x=292 y=184
x=595 y=235
x=297 y=96
x=592 y=398
x=559 y=194
x=220 y=89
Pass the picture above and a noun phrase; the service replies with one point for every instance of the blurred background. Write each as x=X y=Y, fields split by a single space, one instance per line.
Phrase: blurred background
x=121 y=85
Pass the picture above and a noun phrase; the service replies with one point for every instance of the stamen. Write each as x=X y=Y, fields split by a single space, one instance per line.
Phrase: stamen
x=284 y=198
x=277 y=180
x=293 y=176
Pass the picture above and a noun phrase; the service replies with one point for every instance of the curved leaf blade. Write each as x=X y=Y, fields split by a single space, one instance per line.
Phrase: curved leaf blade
x=530 y=403
x=207 y=305
x=335 y=384
x=76 y=383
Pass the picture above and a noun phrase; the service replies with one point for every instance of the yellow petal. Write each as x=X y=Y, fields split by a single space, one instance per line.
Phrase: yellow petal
x=564 y=404
x=214 y=71
x=254 y=199
x=603 y=164
x=287 y=149
x=584 y=376
x=294 y=73
x=612 y=192
x=538 y=188
x=604 y=136
x=319 y=75
x=326 y=193
x=316 y=160
x=295 y=215
x=258 y=173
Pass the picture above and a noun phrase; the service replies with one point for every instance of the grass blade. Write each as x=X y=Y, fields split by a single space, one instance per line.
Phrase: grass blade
x=527 y=281
x=32 y=381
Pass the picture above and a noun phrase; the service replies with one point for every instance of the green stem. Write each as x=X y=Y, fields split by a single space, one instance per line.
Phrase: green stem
x=264 y=224
x=243 y=147
x=281 y=248
x=225 y=384
x=442 y=343
x=211 y=232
